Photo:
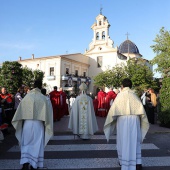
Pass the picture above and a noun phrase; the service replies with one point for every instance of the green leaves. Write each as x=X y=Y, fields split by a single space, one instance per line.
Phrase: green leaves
x=162 y=59
x=136 y=70
x=110 y=78
x=13 y=76
x=162 y=50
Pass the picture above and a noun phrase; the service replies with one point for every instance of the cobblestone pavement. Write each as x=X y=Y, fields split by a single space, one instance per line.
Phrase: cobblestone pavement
x=68 y=152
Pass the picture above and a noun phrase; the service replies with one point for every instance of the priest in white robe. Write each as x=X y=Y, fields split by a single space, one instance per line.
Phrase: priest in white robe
x=33 y=121
x=82 y=118
x=128 y=116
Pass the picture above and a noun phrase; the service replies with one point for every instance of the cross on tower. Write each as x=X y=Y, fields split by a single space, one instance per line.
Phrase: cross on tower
x=127 y=35
x=101 y=9
x=128 y=42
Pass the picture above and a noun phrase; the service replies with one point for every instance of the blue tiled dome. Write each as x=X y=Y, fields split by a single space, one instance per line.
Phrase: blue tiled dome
x=128 y=47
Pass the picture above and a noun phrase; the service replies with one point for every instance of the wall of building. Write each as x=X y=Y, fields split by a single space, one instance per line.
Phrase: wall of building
x=44 y=65
x=55 y=80
x=59 y=63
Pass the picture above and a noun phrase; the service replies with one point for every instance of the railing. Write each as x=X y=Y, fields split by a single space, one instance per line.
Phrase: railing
x=50 y=77
x=75 y=78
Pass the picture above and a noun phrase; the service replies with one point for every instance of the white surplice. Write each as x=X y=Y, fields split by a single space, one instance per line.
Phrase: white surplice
x=128 y=115
x=33 y=122
x=32 y=143
x=129 y=141
x=82 y=118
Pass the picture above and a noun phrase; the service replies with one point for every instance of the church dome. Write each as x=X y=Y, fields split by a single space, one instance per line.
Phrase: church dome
x=128 y=47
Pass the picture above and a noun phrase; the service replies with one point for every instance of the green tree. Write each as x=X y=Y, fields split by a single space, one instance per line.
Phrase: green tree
x=38 y=74
x=140 y=74
x=163 y=104
x=136 y=69
x=162 y=50
x=162 y=59
x=11 y=76
x=110 y=77
x=29 y=76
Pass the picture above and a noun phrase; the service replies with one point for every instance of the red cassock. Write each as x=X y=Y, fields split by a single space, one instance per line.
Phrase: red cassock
x=111 y=95
x=95 y=104
x=64 y=105
x=55 y=101
x=102 y=104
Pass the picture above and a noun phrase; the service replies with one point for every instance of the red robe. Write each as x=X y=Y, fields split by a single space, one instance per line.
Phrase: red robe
x=64 y=105
x=102 y=104
x=9 y=98
x=111 y=95
x=55 y=101
x=95 y=105
x=7 y=107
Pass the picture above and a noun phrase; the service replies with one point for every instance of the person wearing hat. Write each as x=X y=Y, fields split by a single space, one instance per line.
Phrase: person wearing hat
x=82 y=120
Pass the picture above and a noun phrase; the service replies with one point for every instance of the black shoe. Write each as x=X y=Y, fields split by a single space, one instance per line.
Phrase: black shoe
x=138 y=167
x=119 y=163
x=25 y=166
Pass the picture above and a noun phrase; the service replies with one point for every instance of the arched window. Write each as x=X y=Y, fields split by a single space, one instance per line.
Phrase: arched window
x=97 y=36
x=103 y=35
x=100 y=22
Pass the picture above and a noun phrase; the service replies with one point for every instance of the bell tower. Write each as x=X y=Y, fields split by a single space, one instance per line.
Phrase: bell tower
x=100 y=33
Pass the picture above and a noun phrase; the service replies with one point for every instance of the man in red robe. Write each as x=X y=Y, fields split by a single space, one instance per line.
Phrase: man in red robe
x=7 y=103
x=63 y=104
x=102 y=104
x=110 y=96
x=55 y=101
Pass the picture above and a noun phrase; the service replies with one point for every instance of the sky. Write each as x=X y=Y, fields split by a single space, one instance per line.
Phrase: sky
x=58 y=27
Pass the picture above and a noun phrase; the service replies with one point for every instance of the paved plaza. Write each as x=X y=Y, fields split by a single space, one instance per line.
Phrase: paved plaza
x=67 y=152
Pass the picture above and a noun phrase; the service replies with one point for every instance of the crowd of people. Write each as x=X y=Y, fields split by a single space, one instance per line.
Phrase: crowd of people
x=62 y=103
x=8 y=106
x=36 y=110
x=103 y=101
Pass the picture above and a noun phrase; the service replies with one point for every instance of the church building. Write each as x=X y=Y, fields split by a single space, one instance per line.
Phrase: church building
x=69 y=70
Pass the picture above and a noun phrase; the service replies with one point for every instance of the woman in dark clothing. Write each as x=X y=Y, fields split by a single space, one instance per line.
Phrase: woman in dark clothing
x=150 y=105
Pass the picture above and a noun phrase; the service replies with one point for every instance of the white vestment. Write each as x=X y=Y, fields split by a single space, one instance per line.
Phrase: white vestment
x=33 y=121
x=82 y=118
x=129 y=141
x=32 y=143
x=128 y=114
